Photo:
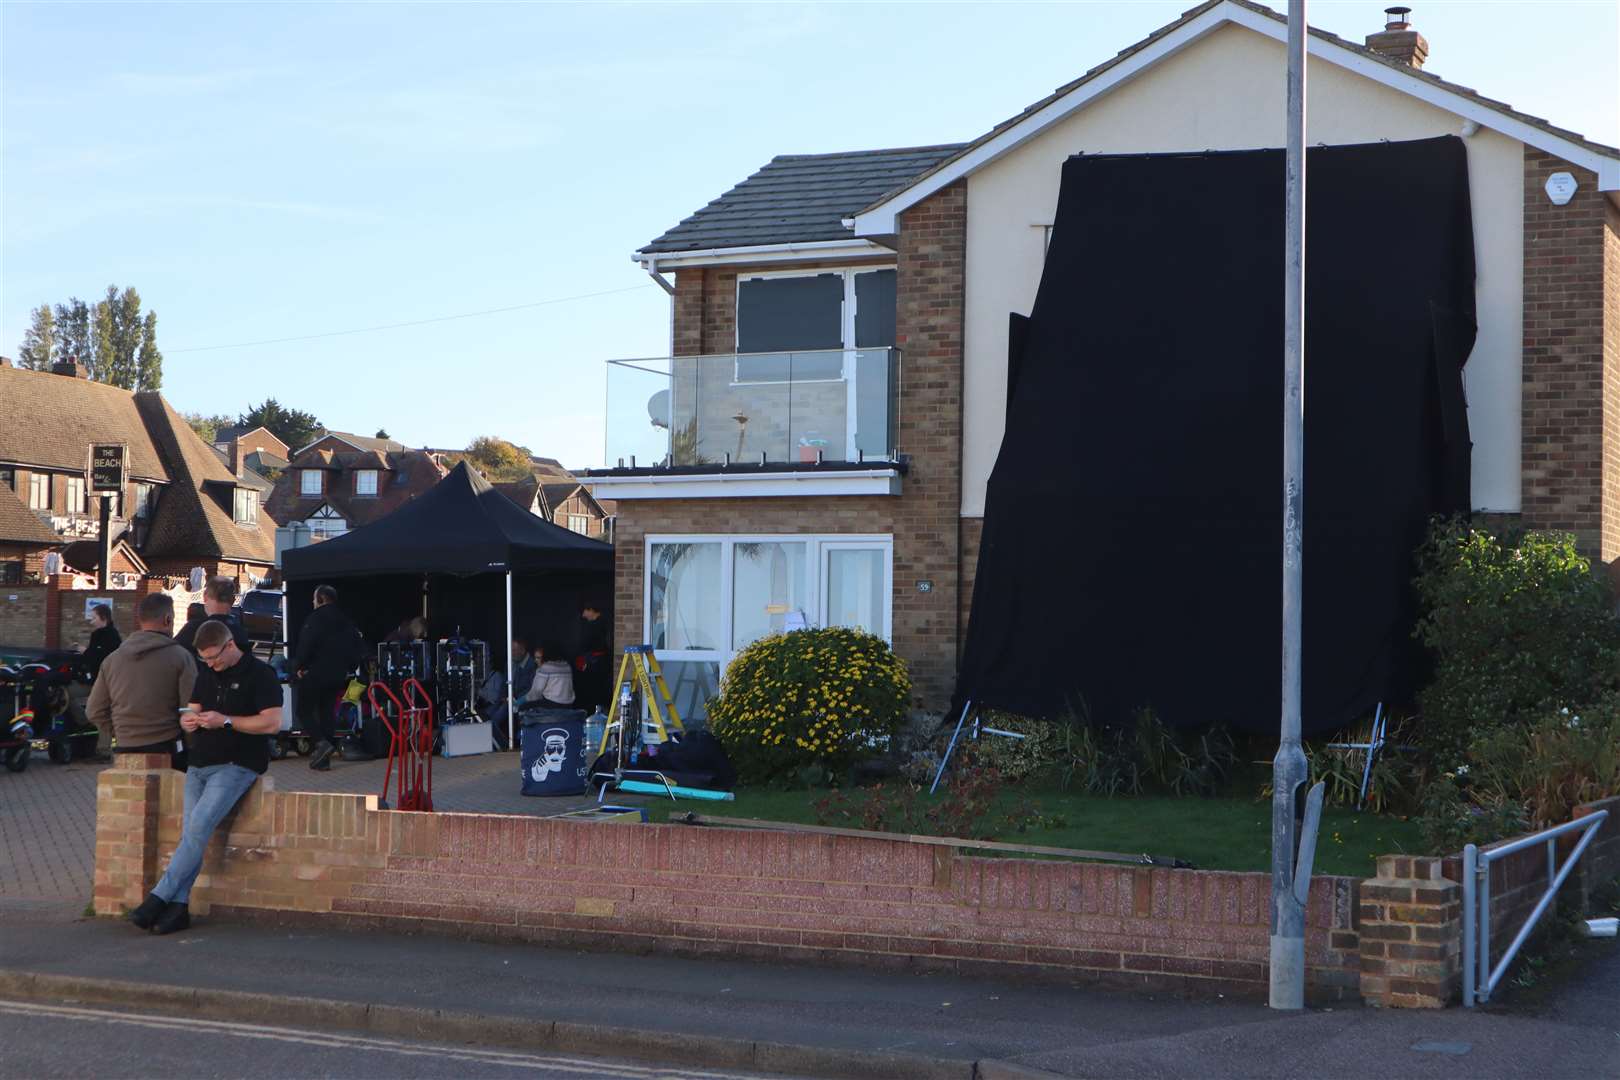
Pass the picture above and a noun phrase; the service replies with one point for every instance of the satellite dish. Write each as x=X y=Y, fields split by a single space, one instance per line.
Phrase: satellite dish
x=195 y=581
x=658 y=409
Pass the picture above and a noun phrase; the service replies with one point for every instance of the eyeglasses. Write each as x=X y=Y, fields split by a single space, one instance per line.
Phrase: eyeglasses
x=219 y=654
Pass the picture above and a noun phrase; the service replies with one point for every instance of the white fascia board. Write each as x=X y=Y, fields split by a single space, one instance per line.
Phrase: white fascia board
x=825 y=250
x=1606 y=168
x=884 y=219
x=744 y=485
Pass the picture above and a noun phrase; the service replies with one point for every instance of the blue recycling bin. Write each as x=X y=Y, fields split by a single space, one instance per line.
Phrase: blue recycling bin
x=555 y=758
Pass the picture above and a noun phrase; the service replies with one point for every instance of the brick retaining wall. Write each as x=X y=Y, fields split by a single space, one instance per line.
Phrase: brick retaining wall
x=730 y=892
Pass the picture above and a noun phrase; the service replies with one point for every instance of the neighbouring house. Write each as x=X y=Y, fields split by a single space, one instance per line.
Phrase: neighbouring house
x=819 y=442
x=252 y=448
x=554 y=493
x=181 y=507
x=341 y=481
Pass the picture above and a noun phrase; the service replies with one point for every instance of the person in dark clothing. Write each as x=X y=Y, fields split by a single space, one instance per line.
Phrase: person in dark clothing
x=218 y=597
x=235 y=707
x=104 y=640
x=195 y=613
x=328 y=647
x=592 y=664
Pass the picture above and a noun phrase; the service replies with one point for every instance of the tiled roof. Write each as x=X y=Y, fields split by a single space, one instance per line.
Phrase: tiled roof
x=51 y=420
x=521 y=492
x=409 y=473
x=1259 y=9
x=20 y=525
x=797 y=198
x=361 y=442
x=194 y=514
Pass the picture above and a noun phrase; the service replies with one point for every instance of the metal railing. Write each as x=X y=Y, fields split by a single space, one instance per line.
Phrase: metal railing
x=1479 y=978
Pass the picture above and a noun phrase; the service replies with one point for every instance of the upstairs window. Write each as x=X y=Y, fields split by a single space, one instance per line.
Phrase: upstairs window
x=143 y=501
x=39 y=491
x=245 y=508
x=75 y=494
x=580 y=523
x=309 y=481
x=790 y=327
x=8 y=477
x=365 y=482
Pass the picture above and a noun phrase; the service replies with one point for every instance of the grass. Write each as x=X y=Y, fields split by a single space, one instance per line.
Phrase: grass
x=1212 y=834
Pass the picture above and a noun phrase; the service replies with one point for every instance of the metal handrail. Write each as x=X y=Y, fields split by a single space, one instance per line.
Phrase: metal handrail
x=1479 y=978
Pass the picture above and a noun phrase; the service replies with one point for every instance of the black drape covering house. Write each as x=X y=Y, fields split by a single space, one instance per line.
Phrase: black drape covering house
x=1131 y=548
x=450 y=549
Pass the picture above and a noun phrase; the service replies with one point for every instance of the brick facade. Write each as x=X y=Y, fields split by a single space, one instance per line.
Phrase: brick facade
x=1570 y=445
x=924 y=519
x=777 y=896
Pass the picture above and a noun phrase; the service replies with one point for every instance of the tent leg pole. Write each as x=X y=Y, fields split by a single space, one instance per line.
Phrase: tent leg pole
x=511 y=720
x=946 y=760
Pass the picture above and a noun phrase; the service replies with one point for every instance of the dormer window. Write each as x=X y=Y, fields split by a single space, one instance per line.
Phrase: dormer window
x=245 y=506
x=309 y=481
x=365 y=482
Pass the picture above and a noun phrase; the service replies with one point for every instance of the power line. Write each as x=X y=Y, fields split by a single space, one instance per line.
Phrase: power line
x=413 y=322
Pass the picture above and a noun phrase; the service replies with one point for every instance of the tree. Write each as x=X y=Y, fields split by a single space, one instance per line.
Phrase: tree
x=207 y=426
x=498 y=459
x=114 y=340
x=39 y=341
x=295 y=428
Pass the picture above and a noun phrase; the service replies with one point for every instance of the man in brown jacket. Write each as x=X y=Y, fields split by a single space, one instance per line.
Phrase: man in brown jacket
x=144 y=684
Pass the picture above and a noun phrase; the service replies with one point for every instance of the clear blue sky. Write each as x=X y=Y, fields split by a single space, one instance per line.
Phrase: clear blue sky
x=269 y=171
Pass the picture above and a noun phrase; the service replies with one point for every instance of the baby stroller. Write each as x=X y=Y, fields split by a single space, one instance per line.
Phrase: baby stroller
x=38 y=712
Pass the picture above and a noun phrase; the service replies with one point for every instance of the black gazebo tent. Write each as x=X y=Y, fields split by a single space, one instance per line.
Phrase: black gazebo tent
x=449 y=555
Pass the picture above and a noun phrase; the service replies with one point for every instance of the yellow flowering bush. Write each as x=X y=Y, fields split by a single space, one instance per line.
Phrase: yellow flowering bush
x=809 y=697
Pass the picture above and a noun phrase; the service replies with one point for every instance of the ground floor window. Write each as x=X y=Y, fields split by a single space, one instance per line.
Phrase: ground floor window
x=708 y=596
x=11 y=572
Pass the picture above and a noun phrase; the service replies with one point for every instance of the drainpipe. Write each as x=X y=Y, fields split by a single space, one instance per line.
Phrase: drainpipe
x=651 y=266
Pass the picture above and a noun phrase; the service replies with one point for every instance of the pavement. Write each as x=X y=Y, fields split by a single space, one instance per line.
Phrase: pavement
x=806 y=1021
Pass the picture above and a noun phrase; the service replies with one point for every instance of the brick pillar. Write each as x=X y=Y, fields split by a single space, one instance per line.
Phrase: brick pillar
x=1411 y=934
x=128 y=801
x=55 y=586
x=1571 y=360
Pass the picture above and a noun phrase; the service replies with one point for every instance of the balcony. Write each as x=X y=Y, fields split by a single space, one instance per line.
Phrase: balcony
x=791 y=409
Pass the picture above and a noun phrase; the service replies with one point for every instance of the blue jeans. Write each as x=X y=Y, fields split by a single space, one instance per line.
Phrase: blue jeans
x=211 y=792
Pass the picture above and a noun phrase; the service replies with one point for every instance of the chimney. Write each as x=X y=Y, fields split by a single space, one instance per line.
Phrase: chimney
x=5 y=361
x=70 y=368
x=1399 y=41
x=236 y=458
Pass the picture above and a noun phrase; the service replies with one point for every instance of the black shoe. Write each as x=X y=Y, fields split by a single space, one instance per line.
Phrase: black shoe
x=147 y=914
x=175 y=917
x=321 y=759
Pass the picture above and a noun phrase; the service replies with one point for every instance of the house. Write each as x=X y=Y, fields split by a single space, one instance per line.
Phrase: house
x=820 y=439
x=554 y=493
x=342 y=481
x=181 y=506
x=252 y=448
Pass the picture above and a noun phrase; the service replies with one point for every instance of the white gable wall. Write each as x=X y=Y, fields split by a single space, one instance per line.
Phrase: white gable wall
x=1225 y=92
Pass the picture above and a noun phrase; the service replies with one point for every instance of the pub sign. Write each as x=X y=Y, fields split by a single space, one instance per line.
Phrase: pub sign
x=108 y=462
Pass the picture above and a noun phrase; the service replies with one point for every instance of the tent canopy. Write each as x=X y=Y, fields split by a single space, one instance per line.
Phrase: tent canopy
x=460 y=526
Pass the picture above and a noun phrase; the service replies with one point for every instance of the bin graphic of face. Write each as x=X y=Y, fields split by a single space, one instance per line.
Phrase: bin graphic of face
x=552 y=756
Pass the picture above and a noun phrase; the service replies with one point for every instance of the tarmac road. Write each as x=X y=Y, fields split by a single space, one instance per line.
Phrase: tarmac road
x=81 y=1041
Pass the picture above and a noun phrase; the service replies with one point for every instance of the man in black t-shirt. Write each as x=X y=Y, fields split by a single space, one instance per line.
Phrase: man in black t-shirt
x=218 y=596
x=235 y=707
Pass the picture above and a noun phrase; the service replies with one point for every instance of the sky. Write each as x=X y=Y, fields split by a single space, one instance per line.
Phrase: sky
x=263 y=172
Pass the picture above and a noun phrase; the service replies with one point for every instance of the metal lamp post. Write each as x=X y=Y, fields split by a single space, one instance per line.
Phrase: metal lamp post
x=1293 y=842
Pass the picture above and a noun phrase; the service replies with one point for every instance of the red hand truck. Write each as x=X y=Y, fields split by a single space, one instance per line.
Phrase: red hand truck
x=410 y=730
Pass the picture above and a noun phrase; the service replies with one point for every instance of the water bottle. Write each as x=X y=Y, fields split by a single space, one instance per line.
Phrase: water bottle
x=595 y=727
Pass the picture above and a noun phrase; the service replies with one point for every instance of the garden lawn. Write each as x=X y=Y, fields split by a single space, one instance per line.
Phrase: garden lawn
x=1212 y=834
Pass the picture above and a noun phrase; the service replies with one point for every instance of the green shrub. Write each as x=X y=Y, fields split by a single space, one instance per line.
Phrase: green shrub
x=1015 y=760
x=1562 y=759
x=1516 y=627
x=810 y=700
x=1142 y=755
x=1396 y=777
x=1451 y=819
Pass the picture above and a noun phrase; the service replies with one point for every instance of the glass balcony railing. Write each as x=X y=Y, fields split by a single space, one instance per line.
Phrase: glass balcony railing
x=784 y=407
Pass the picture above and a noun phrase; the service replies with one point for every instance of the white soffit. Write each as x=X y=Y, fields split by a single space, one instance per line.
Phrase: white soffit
x=733 y=485
x=882 y=219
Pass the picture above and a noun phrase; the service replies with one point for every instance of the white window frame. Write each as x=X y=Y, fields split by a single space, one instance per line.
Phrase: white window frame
x=39 y=486
x=303 y=482
x=817 y=544
x=580 y=523
x=245 y=506
x=846 y=320
x=74 y=487
x=360 y=474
